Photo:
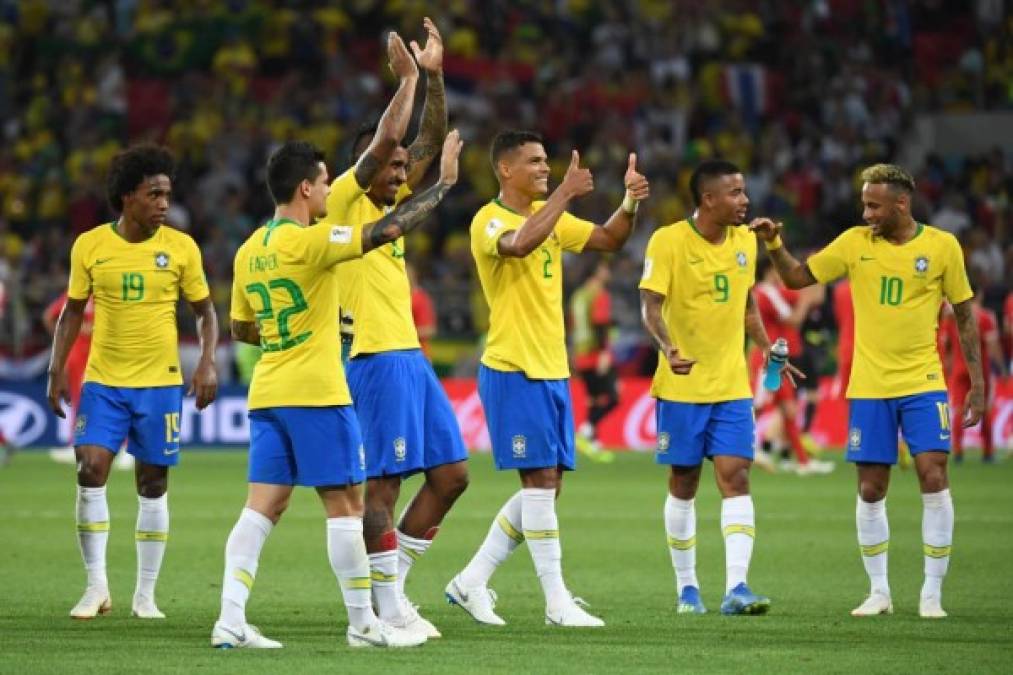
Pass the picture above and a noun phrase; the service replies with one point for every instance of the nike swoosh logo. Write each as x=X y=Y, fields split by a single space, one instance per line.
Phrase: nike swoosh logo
x=167 y=451
x=99 y=261
x=239 y=636
x=944 y=437
x=865 y=258
x=460 y=592
x=698 y=260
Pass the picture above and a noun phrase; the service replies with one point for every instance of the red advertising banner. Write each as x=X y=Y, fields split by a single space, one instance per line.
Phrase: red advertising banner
x=631 y=424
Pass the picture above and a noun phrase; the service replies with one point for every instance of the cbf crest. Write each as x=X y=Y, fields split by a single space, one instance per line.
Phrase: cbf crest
x=80 y=424
x=921 y=265
x=161 y=260
x=855 y=438
x=400 y=449
x=520 y=446
x=741 y=259
x=663 y=441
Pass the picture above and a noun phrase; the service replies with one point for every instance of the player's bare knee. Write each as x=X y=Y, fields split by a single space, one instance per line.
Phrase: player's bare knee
x=91 y=470
x=452 y=483
x=871 y=491
x=152 y=488
x=933 y=479
x=683 y=482
x=733 y=483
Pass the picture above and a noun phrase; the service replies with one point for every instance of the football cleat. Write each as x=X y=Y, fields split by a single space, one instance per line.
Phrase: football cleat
x=931 y=608
x=815 y=467
x=741 y=600
x=95 y=601
x=383 y=635
x=414 y=622
x=247 y=637
x=689 y=601
x=477 y=602
x=877 y=603
x=573 y=615
x=144 y=608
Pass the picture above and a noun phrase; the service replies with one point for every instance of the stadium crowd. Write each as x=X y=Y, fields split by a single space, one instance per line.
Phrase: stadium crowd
x=223 y=82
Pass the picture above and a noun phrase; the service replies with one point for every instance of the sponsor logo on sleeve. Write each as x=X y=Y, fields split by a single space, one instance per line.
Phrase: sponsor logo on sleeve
x=341 y=234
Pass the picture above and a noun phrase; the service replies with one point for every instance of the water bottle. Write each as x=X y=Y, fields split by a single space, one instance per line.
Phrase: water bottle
x=776 y=361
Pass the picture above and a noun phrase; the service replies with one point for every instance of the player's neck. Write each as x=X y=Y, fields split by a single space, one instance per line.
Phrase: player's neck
x=708 y=228
x=295 y=212
x=132 y=231
x=514 y=200
x=905 y=231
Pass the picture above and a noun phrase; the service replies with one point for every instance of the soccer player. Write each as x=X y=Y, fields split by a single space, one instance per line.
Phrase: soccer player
x=900 y=271
x=408 y=425
x=135 y=269
x=699 y=272
x=591 y=313
x=303 y=430
x=523 y=381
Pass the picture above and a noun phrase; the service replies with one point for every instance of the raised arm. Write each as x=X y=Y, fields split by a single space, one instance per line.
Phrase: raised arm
x=793 y=273
x=411 y=213
x=67 y=328
x=651 y=304
x=536 y=229
x=968 y=329
x=612 y=235
x=204 y=382
x=393 y=123
x=433 y=126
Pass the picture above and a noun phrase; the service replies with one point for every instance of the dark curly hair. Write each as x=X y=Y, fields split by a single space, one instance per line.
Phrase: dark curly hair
x=130 y=167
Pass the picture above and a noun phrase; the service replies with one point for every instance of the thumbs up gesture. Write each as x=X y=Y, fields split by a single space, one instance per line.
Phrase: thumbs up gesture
x=637 y=187
x=577 y=181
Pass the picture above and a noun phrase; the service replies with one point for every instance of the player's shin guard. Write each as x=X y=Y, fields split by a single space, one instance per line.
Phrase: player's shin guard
x=151 y=535
x=739 y=529
x=505 y=534
x=680 y=526
x=541 y=530
x=346 y=551
x=410 y=549
x=242 y=556
x=937 y=537
x=383 y=567
x=874 y=540
x=93 y=532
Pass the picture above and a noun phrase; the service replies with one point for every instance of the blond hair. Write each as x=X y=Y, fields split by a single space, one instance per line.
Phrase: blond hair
x=892 y=175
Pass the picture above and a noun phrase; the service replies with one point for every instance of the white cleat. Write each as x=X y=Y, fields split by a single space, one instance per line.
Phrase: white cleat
x=874 y=605
x=247 y=637
x=383 y=635
x=95 y=601
x=573 y=615
x=413 y=622
x=815 y=467
x=763 y=460
x=63 y=455
x=477 y=602
x=931 y=608
x=145 y=608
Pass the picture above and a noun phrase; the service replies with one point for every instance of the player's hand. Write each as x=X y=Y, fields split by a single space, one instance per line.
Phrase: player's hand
x=765 y=228
x=788 y=370
x=205 y=384
x=974 y=406
x=636 y=184
x=401 y=62
x=679 y=365
x=452 y=145
x=58 y=392
x=577 y=181
x=431 y=58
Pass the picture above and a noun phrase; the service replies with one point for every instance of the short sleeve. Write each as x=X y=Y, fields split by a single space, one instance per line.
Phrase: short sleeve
x=832 y=262
x=327 y=245
x=573 y=232
x=240 y=309
x=194 y=283
x=344 y=191
x=956 y=287
x=79 y=286
x=489 y=231
x=657 y=275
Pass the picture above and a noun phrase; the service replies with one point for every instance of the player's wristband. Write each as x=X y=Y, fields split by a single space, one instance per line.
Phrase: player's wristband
x=630 y=205
x=774 y=245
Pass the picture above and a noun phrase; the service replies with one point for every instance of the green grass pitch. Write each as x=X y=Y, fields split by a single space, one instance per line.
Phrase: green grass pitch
x=806 y=558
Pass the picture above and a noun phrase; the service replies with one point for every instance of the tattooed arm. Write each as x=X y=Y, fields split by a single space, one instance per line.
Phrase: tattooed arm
x=411 y=213
x=651 y=304
x=968 y=329
x=433 y=126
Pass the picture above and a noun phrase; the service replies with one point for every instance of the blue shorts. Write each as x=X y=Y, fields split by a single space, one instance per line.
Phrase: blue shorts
x=690 y=432
x=924 y=419
x=146 y=417
x=306 y=446
x=530 y=421
x=407 y=422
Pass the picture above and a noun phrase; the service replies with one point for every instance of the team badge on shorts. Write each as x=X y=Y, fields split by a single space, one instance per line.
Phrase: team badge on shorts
x=400 y=447
x=161 y=260
x=921 y=264
x=80 y=424
x=663 y=441
x=855 y=438
x=520 y=446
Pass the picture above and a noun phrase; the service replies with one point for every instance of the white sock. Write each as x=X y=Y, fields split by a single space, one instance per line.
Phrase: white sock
x=347 y=553
x=541 y=531
x=383 y=580
x=738 y=526
x=409 y=549
x=505 y=534
x=680 y=526
x=242 y=556
x=874 y=540
x=93 y=532
x=151 y=535
x=937 y=538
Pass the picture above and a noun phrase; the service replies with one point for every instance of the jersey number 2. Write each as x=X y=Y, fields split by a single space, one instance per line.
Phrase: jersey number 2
x=267 y=313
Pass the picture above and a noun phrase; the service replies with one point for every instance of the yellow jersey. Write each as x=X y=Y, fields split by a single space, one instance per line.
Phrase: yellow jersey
x=285 y=279
x=897 y=291
x=374 y=288
x=136 y=286
x=705 y=287
x=525 y=295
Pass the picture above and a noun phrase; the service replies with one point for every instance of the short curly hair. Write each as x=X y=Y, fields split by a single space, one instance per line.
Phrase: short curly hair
x=130 y=167
x=890 y=174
